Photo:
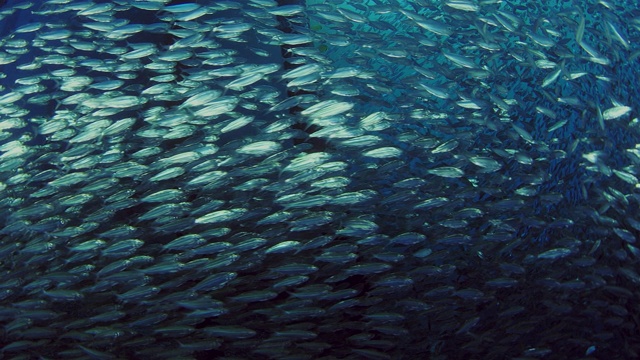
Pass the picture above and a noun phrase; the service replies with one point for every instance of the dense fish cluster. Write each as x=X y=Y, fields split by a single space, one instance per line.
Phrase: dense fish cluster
x=382 y=179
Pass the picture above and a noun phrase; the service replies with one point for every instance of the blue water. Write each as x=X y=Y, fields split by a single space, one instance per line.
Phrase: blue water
x=537 y=259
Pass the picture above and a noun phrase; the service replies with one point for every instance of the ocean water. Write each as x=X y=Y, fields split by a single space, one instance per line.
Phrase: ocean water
x=337 y=179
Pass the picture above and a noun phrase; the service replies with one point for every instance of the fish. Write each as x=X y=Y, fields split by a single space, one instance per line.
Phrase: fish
x=616 y=112
x=286 y=179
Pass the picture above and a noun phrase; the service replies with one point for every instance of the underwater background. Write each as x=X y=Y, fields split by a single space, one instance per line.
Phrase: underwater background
x=261 y=179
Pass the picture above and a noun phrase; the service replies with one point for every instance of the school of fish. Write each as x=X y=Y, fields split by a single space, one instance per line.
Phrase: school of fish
x=380 y=179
